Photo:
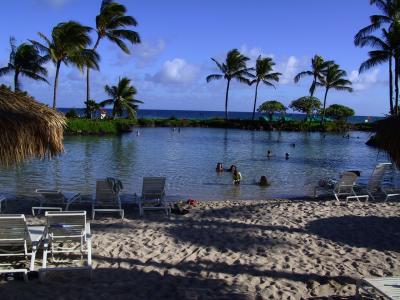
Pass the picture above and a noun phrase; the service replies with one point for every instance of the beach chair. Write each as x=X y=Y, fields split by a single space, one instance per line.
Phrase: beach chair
x=66 y=232
x=345 y=187
x=3 y=202
x=54 y=200
x=107 y=199
x=17 y=239
x=388 y=288
x=376 y=186
x=153 y=195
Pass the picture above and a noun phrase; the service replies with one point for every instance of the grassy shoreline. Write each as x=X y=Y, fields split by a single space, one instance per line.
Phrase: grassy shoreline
x=77 y=126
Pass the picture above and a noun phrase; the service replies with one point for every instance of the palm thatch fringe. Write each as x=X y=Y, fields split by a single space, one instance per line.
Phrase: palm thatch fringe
x=387 y=137
x=28 y=129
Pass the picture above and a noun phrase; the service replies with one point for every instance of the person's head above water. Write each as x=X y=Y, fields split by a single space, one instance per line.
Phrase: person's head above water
x=219 y=167
x=269 y=153
x=263 y=181
x=232 y=168
x=287 y=155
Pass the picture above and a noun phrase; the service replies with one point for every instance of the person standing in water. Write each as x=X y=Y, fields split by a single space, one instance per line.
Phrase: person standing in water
x=237 y=177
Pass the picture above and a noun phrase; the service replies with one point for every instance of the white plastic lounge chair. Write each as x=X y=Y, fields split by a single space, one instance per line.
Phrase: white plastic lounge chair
x=18 y=239
x=376 y=186
x=388 y=287
x=107 y=200
x=153 y=195
x=345 y=187
x=66 y=232
x=54 y=200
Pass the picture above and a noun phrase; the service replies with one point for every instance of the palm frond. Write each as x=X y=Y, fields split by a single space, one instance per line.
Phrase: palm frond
x=213 y=77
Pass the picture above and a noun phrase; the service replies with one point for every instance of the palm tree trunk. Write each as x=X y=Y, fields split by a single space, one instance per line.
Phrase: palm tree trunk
x=255 y=100
x=16 y=84
x=55 y=84
x=89 y=115
x=226 y=99
x=396 y=86
x=391 y=87
x=312 y=90
x=323 y=111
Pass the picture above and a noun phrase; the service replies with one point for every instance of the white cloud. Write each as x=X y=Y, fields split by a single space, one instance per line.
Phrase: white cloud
x=175 y=71
x=53 y=3
x=289 y=69
x=253 y=53
x=143 y=54
x=364 y=80
x=148 y=52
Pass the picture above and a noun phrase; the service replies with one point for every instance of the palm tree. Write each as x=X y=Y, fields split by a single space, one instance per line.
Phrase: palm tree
x=67 y=45
x=385 y=52
x=122 y=97
x=91 y=107
x=25 y=60
x=264 y=74
x=110 y=24
x=318 y=66
x=390 y=15
x=334 y=78
x=233 y=67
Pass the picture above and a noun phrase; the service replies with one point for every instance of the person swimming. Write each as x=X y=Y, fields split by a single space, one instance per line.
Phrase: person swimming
x=269 y=153
x=287 y=155
x=263 y=181
x=294 y=145
x=237 y=177
x=219 y=168
x=232 y=169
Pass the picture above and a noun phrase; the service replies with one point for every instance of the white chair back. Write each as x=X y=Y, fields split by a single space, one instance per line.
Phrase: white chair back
x=66 y=225
x=153 y=188
x=346 y=183
x=376 y=179
x=13 y=231
x=105 y=195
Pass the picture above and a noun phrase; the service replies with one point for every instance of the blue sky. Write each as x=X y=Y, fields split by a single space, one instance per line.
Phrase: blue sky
x=180 y=36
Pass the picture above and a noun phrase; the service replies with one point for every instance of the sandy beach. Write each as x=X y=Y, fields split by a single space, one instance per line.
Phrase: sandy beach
x=272 y=249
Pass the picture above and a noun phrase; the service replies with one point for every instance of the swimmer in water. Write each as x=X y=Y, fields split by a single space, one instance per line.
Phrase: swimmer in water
x=237 y=177
x=263 y=181
x=287 y=155
x=269 y=153
x=219 y=167
x=232 y=169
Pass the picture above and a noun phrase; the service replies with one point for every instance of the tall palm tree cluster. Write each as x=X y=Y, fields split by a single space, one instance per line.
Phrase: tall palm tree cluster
x=383 y=35
x=324 y=73
x=70 y=44
x=235 y=67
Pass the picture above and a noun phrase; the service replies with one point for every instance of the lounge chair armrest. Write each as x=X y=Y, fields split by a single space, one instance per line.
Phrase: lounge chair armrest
x=88 y=231
x=76 y=197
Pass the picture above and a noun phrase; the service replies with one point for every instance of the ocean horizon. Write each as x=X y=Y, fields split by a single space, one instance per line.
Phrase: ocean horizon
x=204 y=114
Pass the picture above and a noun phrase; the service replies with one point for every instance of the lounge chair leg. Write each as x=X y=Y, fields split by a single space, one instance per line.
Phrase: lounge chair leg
x=32 y=264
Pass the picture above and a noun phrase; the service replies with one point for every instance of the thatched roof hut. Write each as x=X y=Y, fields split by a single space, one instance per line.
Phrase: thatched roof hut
x=28 y=129
x=387 y=137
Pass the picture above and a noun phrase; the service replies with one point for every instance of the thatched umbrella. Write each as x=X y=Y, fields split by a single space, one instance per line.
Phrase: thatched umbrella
x=28 y=129
x=387 y=137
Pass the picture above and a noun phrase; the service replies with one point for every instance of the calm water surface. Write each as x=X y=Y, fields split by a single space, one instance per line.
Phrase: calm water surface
x=188 y=158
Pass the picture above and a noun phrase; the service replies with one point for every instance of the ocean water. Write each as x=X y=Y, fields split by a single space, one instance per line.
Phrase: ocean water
x=203 y=115
x=188 y=158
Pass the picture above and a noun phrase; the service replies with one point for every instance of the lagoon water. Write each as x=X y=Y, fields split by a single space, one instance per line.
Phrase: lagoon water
x=188 y=158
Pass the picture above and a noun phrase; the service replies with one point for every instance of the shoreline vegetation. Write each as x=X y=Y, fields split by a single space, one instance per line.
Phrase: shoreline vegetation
x=81 y=126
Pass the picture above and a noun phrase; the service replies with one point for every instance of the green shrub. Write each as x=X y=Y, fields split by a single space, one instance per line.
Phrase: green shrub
x=71 y=114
